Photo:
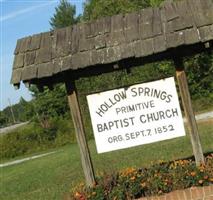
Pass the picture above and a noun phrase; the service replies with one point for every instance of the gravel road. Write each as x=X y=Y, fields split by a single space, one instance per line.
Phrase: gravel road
x=10 y=128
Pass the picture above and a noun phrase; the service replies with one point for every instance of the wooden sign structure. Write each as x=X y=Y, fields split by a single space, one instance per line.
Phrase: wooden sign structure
x=172 y=31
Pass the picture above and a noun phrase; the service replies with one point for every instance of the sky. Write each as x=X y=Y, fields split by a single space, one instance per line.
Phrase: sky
x=18 y=19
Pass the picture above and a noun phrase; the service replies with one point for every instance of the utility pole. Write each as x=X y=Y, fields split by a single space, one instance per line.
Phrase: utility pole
x=11 y=109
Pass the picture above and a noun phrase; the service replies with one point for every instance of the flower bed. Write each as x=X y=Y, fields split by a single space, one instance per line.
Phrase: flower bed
x=160 y=178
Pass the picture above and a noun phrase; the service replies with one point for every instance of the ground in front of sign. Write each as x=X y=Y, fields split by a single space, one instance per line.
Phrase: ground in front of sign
x=58 y=173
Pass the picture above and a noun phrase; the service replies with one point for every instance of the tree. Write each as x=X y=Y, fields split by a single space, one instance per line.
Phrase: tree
x=3 y=119
x=53 y=103
x=49 y=103
x=64 y=15
x=94 y=9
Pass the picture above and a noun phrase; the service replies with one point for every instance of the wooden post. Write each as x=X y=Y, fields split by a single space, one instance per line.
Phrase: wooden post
x=80 y=133
x=189 y=114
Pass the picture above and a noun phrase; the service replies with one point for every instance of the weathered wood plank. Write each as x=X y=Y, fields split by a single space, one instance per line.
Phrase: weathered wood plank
x=25 y=44
x=45 y=70
x=80 y=133
x=35 y=42
x=29 y=58
x=156 y=24
x=145 y=23
x=66 y=63
x=43 y=55
x=206 y=33
x=131 y=27
x=18 y=61
x=62 y=42
x=18 y=46
x=159 y=44
x=16 y=76
x=29 y=72
x=175 y=39
x=187 y=105
x=191 y=36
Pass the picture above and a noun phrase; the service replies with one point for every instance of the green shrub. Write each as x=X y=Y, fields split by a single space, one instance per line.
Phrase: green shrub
x=34 y=138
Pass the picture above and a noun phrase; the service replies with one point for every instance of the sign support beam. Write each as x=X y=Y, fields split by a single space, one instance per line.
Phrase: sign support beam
x=187 y=105
x=80 y=133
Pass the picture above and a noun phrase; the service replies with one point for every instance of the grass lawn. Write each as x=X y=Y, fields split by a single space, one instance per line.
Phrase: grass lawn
x=50 y=177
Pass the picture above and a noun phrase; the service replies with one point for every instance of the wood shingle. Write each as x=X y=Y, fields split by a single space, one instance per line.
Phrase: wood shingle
x=111 y=39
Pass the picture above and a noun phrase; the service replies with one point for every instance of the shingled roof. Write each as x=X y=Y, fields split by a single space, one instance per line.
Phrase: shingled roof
x=111 y=39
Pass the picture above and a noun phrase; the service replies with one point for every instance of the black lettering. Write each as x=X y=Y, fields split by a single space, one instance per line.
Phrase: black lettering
x=110 y=140
x=156 y=93
x=168 y=114
x=137 y=134
x=140 y=91
x=171 y=128
x=126 y=122
x=147 y=91
x=123 y=94
x=163 y=96
x=118 y=110
x=116 y=122
x=164 y=129
x=131 y=108
x=161 y=113
x=110 y=124
x=132 y=135
x=117 y=97
x=134 y=92
x=127 y=136
x=132 y=120
x=148 y=132
x=104 y=107
x=155 y=116
x=112 y=103
x=99 y=112
x=152 y=105
x=99 y=127
x=149 y=117
x=169 y=98
x=146 y=104
x=142 y=132
x=174 y=112
x=123 y=109
x=105 y=127
x=143 y=121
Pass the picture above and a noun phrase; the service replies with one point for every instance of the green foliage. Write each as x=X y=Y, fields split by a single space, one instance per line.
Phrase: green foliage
x=160 y=178
x=34 y=138
x=3 y=119
x=94 y=9
x=23 y=111
x=64 y=15
x=50 y=103
x=199 y=70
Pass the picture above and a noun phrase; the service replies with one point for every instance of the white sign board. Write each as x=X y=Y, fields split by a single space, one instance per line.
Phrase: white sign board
x=140 y=114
